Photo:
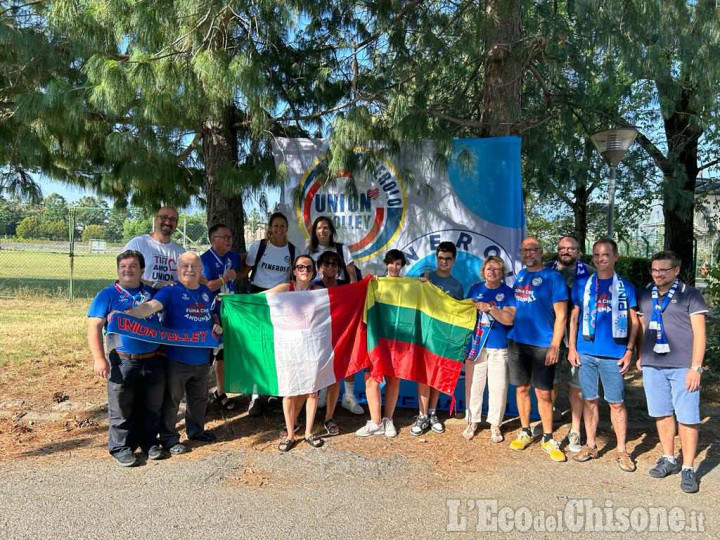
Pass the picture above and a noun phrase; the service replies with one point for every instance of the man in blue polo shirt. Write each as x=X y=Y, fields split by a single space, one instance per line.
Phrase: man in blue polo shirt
x=541 y=297
x=220 y=266
x=135 y=372
x=186 y=306
x=603 y=330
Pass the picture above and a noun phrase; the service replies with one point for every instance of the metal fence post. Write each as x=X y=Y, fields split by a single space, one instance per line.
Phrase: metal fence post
x=71 y=232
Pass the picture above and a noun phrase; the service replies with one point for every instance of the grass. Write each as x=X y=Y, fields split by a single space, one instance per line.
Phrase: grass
x=39 y=273
x=45 y=350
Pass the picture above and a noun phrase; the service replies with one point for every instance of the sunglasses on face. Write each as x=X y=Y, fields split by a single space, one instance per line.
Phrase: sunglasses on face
x=331 y=263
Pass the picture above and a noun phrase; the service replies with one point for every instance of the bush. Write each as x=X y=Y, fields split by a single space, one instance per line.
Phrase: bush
x=29 y=227
x=94 y=232
x=54 y=230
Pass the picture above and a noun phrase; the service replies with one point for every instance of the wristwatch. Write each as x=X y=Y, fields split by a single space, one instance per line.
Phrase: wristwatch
x=699 y=369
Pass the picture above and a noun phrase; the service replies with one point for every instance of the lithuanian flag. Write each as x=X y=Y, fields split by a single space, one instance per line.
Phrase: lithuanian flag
x=416 y=332
x=293 y=343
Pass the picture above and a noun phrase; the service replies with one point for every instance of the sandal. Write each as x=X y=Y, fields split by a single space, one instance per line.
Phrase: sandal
x=315 y=441
x=469 y=431
x=223 y=400
x=286 y=444
x=284 y=431
x=331 y=427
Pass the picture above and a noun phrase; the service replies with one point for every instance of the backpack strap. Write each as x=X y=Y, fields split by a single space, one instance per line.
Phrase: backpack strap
x=260 y=252
x=291 y=248
x=343 y=266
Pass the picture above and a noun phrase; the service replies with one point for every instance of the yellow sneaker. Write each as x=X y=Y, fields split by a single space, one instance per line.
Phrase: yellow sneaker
x=553 y=449
x=522 y=441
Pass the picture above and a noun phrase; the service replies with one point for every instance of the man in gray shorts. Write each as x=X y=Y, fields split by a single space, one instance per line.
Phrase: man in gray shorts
x=570 y=266
x=541 y=297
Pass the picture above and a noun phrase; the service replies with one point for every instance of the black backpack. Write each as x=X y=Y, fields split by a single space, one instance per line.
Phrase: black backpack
x=343 y=266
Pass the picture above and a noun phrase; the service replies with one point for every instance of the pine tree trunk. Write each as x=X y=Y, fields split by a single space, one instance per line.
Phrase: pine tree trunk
x=503 y=68
x=220 y=154
x=580 y=215
x=679 y=184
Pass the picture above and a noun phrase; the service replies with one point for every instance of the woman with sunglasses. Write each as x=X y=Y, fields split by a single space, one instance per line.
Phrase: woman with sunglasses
x=303 y=273
x=323 y=240
x=377 y=425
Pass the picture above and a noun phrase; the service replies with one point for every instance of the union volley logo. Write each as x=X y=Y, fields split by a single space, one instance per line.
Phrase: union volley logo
x=366 y=221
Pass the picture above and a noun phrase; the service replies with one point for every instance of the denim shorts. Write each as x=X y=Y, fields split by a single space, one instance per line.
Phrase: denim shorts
x=564 y=370
x=666 y=394
x=595 y=368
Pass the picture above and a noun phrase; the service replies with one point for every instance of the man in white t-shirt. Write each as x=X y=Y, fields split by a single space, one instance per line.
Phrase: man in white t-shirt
x=160 y=252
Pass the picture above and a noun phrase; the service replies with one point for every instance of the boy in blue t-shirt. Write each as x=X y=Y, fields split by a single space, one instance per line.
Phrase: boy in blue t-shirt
x=603 y=328
x=185 y=306
x=135 y=372
x=428 y=397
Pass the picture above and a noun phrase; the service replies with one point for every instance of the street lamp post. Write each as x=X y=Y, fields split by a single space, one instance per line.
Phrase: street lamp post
x=612 y=145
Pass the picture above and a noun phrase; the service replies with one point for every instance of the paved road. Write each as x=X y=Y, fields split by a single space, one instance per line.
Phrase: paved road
x=331 y=493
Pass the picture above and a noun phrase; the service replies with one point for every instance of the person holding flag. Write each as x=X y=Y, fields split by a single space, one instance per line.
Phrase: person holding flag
x=603 y=330
x=487 y=358
x=220 y=267
x=378 y=425
x=187 y=306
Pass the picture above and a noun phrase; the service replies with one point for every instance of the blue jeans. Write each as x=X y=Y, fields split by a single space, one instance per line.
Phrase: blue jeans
x=666 y=394
x=191 y=381
x=135 y=396
x=596 y=368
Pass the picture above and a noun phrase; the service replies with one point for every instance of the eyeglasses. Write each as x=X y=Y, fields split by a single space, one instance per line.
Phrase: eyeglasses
x=303 y=267
x=530 y=250
x=164 y=217
x=226 y=237
x=331 y=263
x=661 y=271
x=446 y=259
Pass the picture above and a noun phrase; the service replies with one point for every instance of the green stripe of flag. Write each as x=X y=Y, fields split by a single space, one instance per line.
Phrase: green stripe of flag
x=247 y=327
x=410 y=325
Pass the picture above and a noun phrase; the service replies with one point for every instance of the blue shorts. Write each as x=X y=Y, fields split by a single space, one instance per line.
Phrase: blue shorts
x=666 y=394
x=594 y=368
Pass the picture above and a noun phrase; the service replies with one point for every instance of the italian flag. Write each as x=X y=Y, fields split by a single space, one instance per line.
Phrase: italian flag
x=293 y=343
x=417 y=332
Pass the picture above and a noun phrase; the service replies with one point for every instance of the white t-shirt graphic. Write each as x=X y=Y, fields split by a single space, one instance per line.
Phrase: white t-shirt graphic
x=160 y=259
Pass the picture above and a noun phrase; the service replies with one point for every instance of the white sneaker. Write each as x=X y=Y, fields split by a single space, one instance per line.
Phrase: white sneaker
x=350 y=403
x=371 y=428
x=573 y=442
x=322 y=398
x=390 y=430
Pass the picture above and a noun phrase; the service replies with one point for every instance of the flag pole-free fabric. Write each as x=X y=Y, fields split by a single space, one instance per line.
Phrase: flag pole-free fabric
x=293 y=343
x=416 y=332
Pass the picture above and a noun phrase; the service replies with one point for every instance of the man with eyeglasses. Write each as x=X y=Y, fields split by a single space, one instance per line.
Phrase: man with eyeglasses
x=160 y=252
x=428 y=397
x=541 y=297
x=571 y=268
x=670 y=353
x=220 y=266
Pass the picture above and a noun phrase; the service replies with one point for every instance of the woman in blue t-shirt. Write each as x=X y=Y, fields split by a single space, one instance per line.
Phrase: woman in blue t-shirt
x=487 y=358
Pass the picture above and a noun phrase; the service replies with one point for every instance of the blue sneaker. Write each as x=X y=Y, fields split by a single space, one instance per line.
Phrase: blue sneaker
x=664 y=468
x=689 y=483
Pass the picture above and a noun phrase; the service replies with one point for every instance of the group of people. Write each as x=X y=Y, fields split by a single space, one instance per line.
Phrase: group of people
x=567 y=316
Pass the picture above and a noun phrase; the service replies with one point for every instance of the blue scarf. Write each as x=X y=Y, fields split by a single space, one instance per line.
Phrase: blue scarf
x=619 y=308
x=122 y=324
x=656 y=320
x=581 y=269
x=483 y=325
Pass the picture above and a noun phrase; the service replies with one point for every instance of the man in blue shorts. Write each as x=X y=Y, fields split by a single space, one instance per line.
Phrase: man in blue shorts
x=541 y=297
x=135 y=372
x=428 y=397
x=186 y=306
x=220 y=266
x=603 y=331
x=672 y=348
